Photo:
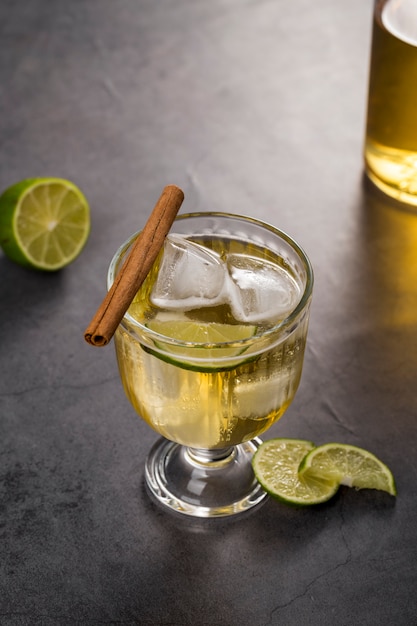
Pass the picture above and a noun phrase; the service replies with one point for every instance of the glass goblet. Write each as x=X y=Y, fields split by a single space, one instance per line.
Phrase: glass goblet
x=211 y=400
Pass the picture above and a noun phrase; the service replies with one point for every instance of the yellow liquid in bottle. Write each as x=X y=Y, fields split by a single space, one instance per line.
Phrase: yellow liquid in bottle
x=391 y=134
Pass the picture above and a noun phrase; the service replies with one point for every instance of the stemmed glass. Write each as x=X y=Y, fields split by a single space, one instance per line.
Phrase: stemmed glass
x=210 y=401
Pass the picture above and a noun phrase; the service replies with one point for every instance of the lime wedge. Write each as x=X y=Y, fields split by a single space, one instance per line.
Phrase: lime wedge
x=347 y=465
x=207 y=340
x=276 y=463
x=44 y=222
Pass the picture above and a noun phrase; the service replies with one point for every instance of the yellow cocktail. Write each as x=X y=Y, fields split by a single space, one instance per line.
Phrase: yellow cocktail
x=210 y=355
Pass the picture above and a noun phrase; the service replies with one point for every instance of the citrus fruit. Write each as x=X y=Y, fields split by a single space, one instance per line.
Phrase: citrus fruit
x=348 y=465
x=206 y=340
x=275 y=465
x=44 y=222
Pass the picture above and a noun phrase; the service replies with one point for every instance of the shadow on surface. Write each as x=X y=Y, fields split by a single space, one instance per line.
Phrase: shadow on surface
x=40 y=292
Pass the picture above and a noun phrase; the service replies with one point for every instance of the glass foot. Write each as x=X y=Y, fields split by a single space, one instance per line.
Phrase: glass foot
x=204 y=483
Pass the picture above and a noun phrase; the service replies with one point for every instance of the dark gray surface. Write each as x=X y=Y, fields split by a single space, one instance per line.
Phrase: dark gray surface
x=252 y=107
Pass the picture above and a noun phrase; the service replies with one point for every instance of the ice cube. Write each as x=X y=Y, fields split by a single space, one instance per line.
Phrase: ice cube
x=190 y=276
x=259 y=290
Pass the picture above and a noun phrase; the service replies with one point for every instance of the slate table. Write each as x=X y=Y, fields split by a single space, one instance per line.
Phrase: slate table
x=253 y=107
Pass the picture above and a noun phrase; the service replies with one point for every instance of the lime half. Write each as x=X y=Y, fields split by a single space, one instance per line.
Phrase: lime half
x=44 y=222
x=210 y=341
x=276 y=463
x=347 y=465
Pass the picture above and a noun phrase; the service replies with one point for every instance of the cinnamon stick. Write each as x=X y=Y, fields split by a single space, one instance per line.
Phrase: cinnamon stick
x=135 y=268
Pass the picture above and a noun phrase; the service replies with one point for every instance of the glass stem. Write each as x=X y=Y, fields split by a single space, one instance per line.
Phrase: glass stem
x=210 y=458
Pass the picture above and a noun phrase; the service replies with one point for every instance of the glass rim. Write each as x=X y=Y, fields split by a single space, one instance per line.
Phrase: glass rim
x=282 y=324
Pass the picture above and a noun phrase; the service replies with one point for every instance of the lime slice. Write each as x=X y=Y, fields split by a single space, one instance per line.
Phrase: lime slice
x=348 y=465
x=276 y=463
x=207 y=340
x=44 y=222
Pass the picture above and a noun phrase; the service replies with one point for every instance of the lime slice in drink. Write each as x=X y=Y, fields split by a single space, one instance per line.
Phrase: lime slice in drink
x=276 y=463
x=44 y=222
x=347 y=465
x=209 y=341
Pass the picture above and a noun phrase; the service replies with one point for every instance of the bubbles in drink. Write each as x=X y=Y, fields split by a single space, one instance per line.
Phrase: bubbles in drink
x=192 y=276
